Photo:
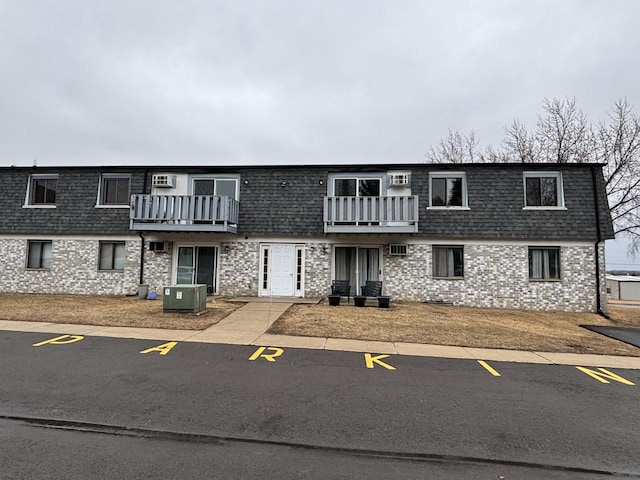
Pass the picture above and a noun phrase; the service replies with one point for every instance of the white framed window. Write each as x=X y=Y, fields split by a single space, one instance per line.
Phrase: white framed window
x=357 y=187
x=219 y=186
x=448 y=261
x=544 y=263
x=448 y=190
x=111 y=256
x=114 y=190
x=42 y=190
x=39 y=254
x=543 y=190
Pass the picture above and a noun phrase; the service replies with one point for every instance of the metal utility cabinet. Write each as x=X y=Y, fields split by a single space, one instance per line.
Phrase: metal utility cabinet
x=184 y=298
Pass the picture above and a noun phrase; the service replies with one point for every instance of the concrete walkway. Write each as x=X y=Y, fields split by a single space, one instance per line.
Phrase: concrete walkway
x=248 y=324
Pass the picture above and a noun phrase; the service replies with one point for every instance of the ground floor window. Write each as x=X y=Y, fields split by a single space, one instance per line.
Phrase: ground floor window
x=39 y=254
x=544 y=263
x=111 y=256
x=448 y=261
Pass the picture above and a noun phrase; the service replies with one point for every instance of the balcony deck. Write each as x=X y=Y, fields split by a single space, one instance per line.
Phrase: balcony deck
x=398 y=214
x=184 y=213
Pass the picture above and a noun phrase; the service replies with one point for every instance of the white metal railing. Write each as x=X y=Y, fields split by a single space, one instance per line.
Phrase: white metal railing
x=371 y=211
x=182 y=210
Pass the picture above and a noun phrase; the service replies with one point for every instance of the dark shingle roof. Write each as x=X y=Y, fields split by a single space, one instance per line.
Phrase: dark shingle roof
x=287 y=200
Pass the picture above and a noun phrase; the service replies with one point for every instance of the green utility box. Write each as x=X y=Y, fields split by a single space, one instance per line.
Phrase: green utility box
x=184 y=298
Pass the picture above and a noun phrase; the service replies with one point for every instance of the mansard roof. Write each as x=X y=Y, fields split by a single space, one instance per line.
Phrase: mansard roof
x=494 y=192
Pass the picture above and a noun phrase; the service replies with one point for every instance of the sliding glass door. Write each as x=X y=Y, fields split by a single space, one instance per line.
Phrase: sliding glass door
x=197 y=264
x=357 y=264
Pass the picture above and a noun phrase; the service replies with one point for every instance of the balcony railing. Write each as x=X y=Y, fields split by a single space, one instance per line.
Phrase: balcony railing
x=187 y=213
x=371 y=214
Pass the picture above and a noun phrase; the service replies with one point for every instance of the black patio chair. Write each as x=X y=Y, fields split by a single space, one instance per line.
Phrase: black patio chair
x=373 y=288
x=342 y=288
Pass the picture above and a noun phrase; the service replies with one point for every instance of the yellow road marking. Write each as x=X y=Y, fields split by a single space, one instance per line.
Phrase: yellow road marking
x=161 y=349
x=489 y=368
x=603 y=374
x=370 y=361
x=61 y=340
x=269 y=357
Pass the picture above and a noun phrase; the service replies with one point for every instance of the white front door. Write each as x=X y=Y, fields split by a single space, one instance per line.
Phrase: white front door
x=282 y=270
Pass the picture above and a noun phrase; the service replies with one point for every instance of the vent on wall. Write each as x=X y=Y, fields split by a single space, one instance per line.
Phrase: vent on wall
x=163 y=181
x=158 y=246
x=399 y=180
x=398 y=249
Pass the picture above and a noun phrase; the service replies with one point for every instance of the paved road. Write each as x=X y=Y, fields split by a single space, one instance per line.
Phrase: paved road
x=224 y=411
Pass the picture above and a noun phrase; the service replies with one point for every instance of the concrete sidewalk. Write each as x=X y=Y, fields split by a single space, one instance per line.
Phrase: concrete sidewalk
x=248 y=324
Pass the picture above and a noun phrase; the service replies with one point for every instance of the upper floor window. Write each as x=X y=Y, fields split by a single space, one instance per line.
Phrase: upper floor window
x=356 y=187
x=42 y=190
x=448 y=261
x=543 y=189
x=216 y=186
x=544 y=263
x=39 y=254
x=114 y=189
x=447 y=189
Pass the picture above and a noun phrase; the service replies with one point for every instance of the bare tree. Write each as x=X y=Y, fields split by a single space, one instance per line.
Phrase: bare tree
x=563 y=134
x=518 y=144
x=455 y=148
x=618 y=147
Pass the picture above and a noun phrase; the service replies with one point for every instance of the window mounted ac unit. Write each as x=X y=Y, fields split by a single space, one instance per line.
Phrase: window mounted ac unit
x=163 y=181
x=158 y=246
x=398 y=249
x=399 y=180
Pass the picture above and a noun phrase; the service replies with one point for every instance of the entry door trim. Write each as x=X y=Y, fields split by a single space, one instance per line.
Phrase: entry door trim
x=267 y=270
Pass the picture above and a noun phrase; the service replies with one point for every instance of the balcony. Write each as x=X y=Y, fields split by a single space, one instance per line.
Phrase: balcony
x=184 y=213
x=371 y=214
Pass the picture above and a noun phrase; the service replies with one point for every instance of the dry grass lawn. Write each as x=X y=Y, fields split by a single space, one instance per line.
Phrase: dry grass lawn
x=472 y=327
x=108 y=311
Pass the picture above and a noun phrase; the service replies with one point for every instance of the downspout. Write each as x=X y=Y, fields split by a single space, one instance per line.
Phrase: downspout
x=596 y=246
x=144 y=190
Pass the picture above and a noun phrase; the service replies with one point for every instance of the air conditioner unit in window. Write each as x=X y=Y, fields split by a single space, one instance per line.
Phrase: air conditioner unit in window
x=398 y=249
x=399 y=180
x=163 y=181
x=158 y=246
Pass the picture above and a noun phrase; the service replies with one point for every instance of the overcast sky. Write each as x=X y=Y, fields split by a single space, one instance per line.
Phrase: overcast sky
x=296 y=81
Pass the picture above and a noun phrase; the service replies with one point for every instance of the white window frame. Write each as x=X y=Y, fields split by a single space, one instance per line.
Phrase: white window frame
x=28 y=201
x=113 y=243
x=460 y=175
x=216 y=179
x=559 y=187
x=350 y=176
x=41 y=258
x=452 y=276
x=544 y=278
x=108 y=176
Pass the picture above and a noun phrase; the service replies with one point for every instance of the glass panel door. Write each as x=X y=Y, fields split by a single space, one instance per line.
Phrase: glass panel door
x=357 y=264
x=206 y=267
x=186 y=265
x=197 y=265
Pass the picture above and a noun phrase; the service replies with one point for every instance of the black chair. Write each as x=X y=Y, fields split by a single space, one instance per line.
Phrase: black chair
x=342 y=288
x=373 y=288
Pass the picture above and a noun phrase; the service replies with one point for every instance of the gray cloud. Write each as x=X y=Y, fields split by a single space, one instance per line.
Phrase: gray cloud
x=295 y=82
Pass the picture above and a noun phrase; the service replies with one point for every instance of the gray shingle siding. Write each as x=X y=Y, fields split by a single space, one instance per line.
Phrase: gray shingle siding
x=496 y=201
x=287 y=200
x=76 y=197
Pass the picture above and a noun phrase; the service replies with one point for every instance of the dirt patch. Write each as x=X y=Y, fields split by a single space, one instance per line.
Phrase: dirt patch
x=109 y=311
x=472 y=327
